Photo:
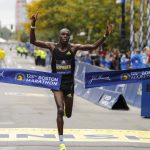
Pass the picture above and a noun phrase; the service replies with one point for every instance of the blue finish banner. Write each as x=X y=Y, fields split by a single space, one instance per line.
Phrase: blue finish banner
x=97 y=79
x=31 y=78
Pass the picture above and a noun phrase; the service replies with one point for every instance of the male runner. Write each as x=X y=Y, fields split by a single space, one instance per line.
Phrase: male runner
x=63 y=62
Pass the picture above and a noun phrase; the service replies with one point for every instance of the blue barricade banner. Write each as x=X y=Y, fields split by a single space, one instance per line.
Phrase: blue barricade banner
x=97 y=79
x=113 y=100
x=145 y=104
x=31 y=78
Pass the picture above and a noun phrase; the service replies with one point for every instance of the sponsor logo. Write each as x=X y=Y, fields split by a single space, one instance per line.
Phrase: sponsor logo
x=10 y=135
x=140 y=75
x=63 y=67
x=99 y=78
x=125 y=76
x=63 y=62
x=20 y=77
x=107 y=97
x=68 y=53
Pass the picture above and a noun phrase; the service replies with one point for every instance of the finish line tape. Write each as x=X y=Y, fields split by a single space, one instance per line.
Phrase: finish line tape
x=31 y=78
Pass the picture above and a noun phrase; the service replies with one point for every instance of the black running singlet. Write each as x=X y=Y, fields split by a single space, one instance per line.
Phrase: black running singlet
x=64 y=63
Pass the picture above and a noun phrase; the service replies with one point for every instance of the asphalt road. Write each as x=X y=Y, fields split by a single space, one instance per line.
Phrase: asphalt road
x=28 y=119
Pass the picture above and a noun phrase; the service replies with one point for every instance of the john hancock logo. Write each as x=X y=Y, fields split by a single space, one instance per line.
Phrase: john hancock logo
x=125 y=76
x=20 y=77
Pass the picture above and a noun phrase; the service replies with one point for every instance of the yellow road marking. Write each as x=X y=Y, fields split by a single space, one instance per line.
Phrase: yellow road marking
x=76 y=135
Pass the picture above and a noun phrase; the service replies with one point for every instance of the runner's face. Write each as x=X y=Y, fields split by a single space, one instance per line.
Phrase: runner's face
x=64 y=36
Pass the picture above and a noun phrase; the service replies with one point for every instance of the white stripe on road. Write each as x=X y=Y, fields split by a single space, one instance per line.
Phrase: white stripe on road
x=27 y=94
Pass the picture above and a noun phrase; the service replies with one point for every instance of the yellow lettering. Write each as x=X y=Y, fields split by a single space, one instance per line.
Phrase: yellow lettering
x=63 y=67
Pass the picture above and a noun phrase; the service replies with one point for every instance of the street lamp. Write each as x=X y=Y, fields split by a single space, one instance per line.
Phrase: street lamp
x=123 y=42
x=123 y=19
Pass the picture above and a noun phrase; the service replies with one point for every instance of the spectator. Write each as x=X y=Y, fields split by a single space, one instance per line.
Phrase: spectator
x=87 y=59
x=124 y=62
x=144 y=58
x=136 y=59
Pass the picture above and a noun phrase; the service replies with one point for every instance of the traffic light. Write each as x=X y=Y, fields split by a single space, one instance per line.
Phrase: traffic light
x=11 y=26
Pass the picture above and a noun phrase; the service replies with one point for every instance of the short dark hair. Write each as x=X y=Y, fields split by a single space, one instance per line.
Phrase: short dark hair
x=64 y=29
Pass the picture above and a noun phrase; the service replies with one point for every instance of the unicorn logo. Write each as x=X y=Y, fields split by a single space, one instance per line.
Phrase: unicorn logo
x=20 y=77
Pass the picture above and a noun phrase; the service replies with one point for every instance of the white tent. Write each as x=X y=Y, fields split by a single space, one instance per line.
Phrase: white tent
x=2 y=40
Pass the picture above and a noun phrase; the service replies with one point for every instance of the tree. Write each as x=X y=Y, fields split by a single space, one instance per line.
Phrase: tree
x=5 y=33
x=79 y=16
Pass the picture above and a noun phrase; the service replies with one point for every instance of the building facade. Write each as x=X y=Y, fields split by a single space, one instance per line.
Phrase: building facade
x=21 y=14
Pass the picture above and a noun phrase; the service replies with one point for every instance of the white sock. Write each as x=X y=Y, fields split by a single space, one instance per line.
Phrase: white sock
x=61 y=139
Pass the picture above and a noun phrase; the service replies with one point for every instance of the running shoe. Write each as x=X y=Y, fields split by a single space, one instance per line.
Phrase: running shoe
x=62 y=147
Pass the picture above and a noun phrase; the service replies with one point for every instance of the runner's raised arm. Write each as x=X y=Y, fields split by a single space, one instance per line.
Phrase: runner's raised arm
x=98 y=43
x=33 y=40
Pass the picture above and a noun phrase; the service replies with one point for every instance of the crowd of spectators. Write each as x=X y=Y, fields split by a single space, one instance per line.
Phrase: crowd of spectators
x=115 y=60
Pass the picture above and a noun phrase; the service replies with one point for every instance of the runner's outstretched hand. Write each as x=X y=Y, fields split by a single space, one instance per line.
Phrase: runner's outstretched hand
x=34 y=18
x=109 y=29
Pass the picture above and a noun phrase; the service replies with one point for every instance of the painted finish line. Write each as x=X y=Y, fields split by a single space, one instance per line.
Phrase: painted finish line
x=74 y=135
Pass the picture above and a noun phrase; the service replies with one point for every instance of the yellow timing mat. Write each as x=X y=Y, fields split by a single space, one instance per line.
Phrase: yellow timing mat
x=76 y=135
